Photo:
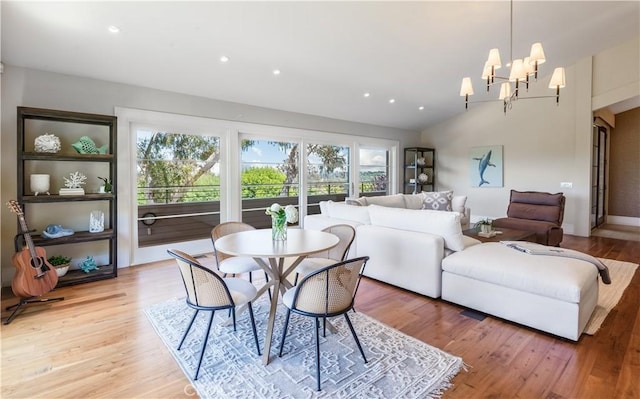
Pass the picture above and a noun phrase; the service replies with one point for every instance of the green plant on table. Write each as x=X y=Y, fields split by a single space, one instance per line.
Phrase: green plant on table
x=484 y=225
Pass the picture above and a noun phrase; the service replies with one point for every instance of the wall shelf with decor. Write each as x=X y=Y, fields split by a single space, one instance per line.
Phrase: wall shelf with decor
x=54 y=145
x=419 y=170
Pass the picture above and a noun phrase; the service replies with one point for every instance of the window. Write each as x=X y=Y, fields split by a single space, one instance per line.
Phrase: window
x=327 y=174
x=178 y=186
x=269 y=173
x=373 y=171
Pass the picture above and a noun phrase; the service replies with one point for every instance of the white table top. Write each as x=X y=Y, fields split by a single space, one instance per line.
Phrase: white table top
x=258 y=243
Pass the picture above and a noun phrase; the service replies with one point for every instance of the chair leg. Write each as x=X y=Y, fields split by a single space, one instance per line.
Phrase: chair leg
x=253 y=327
x=353 y=332
x=295 y=282
x=284 y=331
x=318 y=353
x=233 y=315
x=204 y=344
x=324 y=327
x=188 y=328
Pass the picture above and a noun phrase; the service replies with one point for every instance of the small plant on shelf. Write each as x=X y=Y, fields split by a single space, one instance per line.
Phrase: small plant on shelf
x=59 y=261
x=107 y=184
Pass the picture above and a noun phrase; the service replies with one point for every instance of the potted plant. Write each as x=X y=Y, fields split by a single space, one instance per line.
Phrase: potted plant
x=484 y=225
x=61 y=263
x=107 y=184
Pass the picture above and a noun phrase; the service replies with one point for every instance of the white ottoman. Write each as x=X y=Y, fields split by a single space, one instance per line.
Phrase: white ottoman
x=548 y=293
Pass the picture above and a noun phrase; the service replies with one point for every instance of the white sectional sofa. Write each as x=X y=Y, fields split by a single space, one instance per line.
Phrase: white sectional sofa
x=405 y=246
x=424 y=251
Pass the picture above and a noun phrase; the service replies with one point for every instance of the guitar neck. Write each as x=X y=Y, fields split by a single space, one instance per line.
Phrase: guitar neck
x=27 y=237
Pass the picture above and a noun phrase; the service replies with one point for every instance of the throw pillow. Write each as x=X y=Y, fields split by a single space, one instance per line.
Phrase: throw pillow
x=437 y=200
x=362 y=201
x=458 y=203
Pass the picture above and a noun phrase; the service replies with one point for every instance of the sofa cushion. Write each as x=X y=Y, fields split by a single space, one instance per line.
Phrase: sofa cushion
x=390 y=201
x=413 y=201
x=560 y=278
x=362 y=201
x=437 y=200
x=443 y=224
x=341 y=210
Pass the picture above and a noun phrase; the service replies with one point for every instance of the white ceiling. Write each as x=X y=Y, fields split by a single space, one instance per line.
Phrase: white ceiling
x=330 y=53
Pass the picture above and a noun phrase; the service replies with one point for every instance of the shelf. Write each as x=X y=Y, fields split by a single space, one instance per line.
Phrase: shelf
x=33 y=199
x=78 y=276
x=39 y=156
x=70 y=127
x=78 y=236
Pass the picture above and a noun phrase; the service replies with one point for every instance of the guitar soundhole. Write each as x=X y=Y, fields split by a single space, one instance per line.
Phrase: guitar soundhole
x=39 y=264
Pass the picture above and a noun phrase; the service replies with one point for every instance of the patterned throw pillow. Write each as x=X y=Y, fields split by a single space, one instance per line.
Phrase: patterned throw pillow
x=437 y=200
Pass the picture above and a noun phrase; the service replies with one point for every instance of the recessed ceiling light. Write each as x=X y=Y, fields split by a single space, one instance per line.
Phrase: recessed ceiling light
x=421 y=108
x=113 y=29
x=367 y=94
x=276 y=72
x=391 y=101
x=224 y=58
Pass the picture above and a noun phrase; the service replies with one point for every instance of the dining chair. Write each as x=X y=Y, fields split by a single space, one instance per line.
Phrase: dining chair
x=317 y=261
x=229 y=264
x=327 y=292
x=207 y=291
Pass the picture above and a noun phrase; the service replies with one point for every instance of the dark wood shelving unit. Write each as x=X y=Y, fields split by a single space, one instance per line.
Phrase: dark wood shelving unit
x=419 y=162
x=70 y=126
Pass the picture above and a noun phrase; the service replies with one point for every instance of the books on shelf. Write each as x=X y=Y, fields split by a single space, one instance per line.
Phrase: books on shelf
x=72 y=191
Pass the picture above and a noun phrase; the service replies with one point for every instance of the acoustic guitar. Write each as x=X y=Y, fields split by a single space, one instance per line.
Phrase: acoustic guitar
x=34 y=275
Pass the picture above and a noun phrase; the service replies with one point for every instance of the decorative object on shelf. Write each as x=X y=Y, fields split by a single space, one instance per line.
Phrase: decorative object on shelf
x=86 y=146
x=88 y=264
x=47 y=143
x=484 y=225
x=423 y=178
x=61 y=263
x=107 y=185
x=73 y=183
x=39 y=183
x=488 y=171
x=420 y=161
x=279 y=218
x=56 y=231
x=96 y=222
x=521 y=71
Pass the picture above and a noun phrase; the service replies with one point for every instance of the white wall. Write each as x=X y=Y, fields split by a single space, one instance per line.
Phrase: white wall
x=34 y=88
x=544 y=144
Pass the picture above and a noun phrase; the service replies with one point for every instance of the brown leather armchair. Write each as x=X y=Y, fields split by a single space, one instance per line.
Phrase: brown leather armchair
x=538 y=212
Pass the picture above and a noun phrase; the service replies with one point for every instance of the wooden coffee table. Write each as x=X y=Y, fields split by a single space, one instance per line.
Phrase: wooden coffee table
x=506 y=235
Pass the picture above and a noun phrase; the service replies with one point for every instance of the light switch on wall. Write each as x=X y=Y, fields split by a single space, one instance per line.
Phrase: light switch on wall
x=566 y=184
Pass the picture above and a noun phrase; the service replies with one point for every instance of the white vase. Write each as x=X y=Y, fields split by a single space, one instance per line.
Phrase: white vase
x=96 y=222
x=39 y=183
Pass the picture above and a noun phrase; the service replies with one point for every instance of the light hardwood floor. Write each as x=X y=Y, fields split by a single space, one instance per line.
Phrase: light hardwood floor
x=97 y=343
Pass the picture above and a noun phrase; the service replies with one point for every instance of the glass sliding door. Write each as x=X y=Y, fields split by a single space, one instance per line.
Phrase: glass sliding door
x=374 y=171
x=327 y=174
x=269 y=174
x=177 y=186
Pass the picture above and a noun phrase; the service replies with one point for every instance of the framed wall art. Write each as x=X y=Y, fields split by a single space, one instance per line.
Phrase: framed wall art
x=485 y=166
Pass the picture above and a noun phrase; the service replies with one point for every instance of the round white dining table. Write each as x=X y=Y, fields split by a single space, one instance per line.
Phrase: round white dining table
x=259 y=245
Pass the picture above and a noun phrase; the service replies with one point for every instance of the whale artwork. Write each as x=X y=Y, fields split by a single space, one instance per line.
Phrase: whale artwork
x=483 y=162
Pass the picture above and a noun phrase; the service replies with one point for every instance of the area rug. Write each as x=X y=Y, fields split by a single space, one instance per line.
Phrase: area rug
x=609 y=295
x=399 y=366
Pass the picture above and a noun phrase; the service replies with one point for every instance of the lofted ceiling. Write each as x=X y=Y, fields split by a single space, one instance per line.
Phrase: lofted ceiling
x=329 y=53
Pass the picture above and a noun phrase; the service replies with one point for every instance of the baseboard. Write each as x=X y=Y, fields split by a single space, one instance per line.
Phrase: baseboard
x=623 y=220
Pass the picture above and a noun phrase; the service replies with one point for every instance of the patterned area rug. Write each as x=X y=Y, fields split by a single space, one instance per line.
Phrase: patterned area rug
x=609 y=295
x=399 y=366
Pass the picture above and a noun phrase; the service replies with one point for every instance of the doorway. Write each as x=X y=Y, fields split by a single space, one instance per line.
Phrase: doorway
x=598 y=176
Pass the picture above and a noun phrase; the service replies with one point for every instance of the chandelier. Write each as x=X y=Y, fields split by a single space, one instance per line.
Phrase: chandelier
x=522 y=71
